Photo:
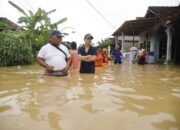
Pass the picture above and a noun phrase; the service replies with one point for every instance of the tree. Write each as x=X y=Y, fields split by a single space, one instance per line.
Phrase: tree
x=37 y=25
x=105 y=43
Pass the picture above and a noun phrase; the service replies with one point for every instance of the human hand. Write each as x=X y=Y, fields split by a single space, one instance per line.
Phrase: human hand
x=65 y=69
x=49 y=68
x=89 y=56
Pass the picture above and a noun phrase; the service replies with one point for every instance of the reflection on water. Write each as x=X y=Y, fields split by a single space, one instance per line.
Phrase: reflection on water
x=117 y=97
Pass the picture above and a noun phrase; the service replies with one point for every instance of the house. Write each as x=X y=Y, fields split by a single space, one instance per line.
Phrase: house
x=125 y=42
x=158 y=32
x=6 y=24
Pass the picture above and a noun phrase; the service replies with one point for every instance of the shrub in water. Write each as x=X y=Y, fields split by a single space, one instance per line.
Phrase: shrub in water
x=14 y=49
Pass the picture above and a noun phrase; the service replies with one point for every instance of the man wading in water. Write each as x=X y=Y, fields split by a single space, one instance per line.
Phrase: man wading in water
x=54 y=56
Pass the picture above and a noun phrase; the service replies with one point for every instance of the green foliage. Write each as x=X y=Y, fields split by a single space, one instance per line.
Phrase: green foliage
x=4 y=25
x=14 y=49
x=20 y=47
x=18 y=8
x=105 y=43
x=38 y=24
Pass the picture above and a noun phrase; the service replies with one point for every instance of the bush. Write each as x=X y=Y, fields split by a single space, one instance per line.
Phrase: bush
x=14 y=49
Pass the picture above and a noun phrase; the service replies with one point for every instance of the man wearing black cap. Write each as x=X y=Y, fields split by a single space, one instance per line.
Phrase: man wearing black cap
x=87 y=55
x=54 y=56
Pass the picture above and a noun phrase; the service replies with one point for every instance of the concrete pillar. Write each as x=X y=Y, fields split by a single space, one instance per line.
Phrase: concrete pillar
x=169 y=44
x=116 y=41
x=155 y=45
x=122 y=44
x=140 y=40
x=156 y=48
x=153 y=41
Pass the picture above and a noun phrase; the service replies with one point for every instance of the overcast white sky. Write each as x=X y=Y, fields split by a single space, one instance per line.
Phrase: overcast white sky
x=82 y=17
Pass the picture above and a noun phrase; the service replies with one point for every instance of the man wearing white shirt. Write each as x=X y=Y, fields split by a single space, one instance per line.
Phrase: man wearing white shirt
x=54 y=56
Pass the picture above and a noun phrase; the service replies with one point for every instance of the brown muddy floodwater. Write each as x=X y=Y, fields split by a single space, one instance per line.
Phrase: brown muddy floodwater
x=117 y=97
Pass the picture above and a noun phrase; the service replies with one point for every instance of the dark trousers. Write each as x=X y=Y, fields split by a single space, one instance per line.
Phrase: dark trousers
x=141 y=60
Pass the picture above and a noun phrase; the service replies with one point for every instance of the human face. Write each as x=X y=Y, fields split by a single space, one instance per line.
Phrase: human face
x=88 y=41
x=55 y=39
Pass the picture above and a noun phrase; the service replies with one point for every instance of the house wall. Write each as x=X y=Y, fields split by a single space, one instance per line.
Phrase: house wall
x=126 y=42
x=127 y=45
x=146 y=40
x=155 y=40
x=155 y=45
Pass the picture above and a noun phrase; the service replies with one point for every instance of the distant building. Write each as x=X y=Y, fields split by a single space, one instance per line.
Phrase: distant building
x=6 y=24
x=126 y=42
x=158 y=31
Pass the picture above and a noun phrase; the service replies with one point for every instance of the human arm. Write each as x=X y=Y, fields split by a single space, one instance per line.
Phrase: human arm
x=87 y=58
x=41 y=59
x=80 y=56
x=41 y=62
x=91 y=58
x=68 y=65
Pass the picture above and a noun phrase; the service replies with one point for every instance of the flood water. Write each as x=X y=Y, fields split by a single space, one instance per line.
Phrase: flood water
x=117 y=97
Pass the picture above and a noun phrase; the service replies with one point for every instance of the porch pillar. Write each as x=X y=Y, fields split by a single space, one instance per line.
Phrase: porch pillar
x=116 y=41
x=153 y=41
x=122 y=44
x=169 y=44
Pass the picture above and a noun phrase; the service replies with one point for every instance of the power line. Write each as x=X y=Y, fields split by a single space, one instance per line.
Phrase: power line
x=100 y=13
x=30 y=5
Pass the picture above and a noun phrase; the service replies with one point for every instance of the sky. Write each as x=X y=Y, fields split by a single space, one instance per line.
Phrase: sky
x=101 y=20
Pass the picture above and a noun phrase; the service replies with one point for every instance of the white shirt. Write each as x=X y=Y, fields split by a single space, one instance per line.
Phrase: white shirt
x=53 y=56
x=140 y=52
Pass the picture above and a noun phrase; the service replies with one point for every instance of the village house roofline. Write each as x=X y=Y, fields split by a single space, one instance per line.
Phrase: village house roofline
x=11 y=24
x=154 y=15
x=134 y=27
x=163 y=11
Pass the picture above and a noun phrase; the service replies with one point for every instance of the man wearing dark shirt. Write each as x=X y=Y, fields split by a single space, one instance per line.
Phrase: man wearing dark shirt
x=87 y=55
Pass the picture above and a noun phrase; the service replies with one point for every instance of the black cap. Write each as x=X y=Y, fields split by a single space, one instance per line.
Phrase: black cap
x=88 y=36
x=57 y=33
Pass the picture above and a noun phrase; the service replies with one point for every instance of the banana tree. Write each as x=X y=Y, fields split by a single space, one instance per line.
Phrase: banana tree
x=38 y=24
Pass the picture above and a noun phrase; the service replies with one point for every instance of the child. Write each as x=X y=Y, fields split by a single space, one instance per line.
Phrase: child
x=74 y=59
